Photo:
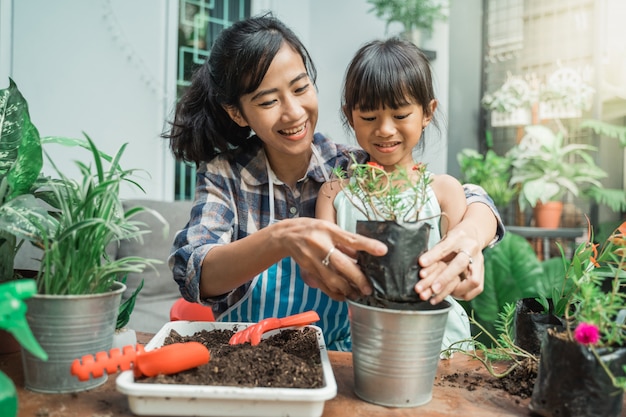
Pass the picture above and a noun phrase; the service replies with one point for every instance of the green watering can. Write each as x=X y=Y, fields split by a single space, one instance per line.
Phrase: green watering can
x=13 y=319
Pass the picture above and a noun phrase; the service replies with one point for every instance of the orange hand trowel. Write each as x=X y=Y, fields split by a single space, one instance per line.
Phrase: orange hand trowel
x=254 y=332
x=167 y=360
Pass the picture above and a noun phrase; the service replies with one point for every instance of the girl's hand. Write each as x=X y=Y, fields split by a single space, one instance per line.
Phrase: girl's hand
x=453 y=266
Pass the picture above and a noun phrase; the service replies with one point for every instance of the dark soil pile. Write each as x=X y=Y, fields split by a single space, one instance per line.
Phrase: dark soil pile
x=519 y=382
x=289 y=359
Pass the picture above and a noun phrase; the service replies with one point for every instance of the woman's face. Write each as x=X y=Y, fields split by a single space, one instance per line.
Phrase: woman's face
x=283 y=110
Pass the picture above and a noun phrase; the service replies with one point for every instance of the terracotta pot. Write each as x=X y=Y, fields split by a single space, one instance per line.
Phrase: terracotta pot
x=548 y=214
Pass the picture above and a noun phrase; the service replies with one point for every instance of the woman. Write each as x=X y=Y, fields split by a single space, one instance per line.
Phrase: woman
x=252 y=235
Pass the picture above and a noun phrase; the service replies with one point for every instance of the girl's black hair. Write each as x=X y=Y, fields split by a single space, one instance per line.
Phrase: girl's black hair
x=238 y=61
x=387 y=73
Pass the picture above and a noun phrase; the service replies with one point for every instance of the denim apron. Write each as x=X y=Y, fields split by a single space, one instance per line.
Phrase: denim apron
x=279 y=291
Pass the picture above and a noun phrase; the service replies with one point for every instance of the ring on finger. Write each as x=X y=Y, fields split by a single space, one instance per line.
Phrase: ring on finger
x=326 y=260
x=463 y=251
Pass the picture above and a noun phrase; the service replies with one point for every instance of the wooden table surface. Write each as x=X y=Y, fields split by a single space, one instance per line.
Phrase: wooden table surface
x=449 y=398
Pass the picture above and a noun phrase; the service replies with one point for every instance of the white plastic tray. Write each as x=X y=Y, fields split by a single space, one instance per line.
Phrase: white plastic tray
x=200 y=400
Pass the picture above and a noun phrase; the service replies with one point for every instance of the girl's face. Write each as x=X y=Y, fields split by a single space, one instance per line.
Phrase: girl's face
x=389 y=135
x=283 y=110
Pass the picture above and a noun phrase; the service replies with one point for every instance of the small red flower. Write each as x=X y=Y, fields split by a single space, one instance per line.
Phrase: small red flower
x=587 y=334
x=375 y=165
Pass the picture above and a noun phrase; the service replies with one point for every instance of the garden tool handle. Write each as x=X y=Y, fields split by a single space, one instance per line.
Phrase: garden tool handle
x=171 y=359
x=254 y=332
x=164 y=360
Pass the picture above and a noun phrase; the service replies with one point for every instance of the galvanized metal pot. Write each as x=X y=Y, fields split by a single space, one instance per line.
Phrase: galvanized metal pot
x=395 y=351
x=68 y=327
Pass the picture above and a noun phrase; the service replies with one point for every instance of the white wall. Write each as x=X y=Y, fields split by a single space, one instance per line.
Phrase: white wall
x=99 y=68
x=107 y=68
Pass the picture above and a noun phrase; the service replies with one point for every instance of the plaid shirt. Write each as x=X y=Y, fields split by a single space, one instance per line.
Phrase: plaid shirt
x=232 y=202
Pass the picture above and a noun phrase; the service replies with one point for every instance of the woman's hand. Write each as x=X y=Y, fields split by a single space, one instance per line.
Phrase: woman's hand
x=310 y=243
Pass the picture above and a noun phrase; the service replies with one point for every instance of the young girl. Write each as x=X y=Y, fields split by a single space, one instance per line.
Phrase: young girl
x=388 y=100
x=252 y=248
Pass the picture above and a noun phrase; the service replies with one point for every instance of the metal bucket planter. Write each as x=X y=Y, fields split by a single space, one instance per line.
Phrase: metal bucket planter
x=68 y=327
x=396 y=337
x=395 y=351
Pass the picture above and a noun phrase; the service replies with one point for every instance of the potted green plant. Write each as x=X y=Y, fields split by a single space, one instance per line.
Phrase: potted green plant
x=73 y=222
x=594 y=337
x=545 y=169
x=582 y=360
x=375 y=193
x=394 y=306
x=21 y=180
x=510 y=105
x=77 y=274
x=564 y=95
x=415 y=16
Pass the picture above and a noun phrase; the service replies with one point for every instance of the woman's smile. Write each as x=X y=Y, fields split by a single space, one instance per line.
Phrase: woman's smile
x=295 y=133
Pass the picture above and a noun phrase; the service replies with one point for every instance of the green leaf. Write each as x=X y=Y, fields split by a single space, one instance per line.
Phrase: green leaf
x=25 y=218
x=21 y=157
x=606 y=129
x=127 y=307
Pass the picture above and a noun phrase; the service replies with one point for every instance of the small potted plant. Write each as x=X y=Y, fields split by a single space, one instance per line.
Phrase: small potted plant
x=511 y=104
x=73 y=222
x=545 y=169
x=581 y=368
x=76 y=273
x=564 y=95
x=582 y=358
x=415 y=16
x=375 y=193
x=383 y=319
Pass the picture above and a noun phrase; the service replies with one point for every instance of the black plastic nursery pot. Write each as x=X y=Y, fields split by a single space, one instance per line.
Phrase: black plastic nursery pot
x=395 y=274
x=532 y=323
x=571 y=382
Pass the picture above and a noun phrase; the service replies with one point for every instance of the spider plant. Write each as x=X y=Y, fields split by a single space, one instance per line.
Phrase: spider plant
x=89 y=217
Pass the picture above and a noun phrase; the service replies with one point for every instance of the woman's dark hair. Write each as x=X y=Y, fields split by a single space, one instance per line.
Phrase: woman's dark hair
x=387 y=73
x=239 y=59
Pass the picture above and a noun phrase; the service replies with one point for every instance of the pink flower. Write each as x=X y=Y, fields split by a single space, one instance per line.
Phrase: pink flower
x=587 y=334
